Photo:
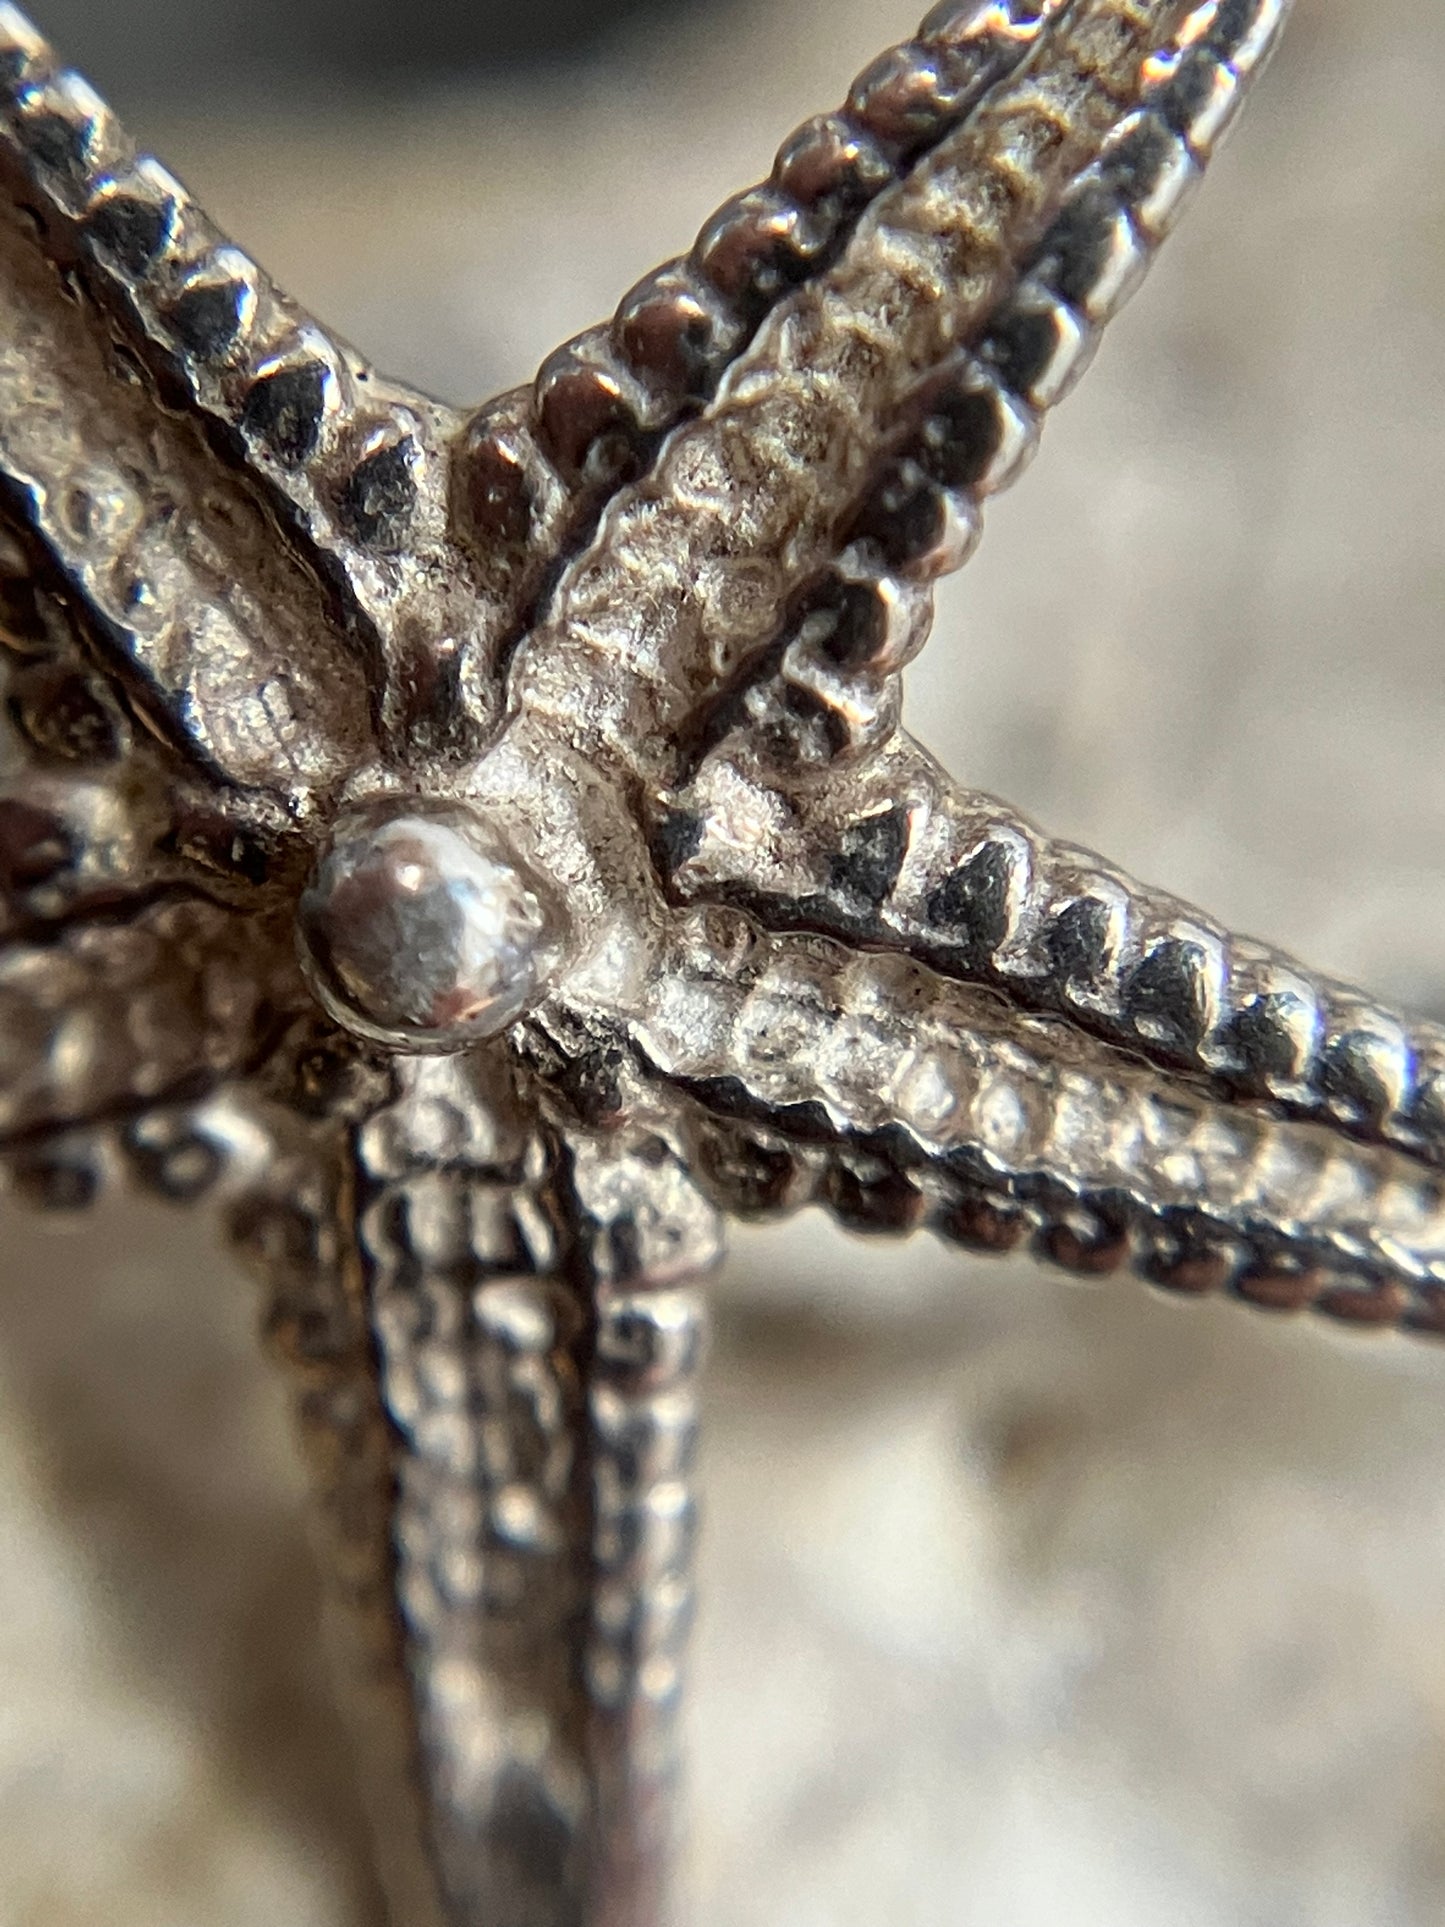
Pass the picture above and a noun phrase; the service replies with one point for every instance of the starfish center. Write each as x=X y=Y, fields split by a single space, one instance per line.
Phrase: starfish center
x=419 y=929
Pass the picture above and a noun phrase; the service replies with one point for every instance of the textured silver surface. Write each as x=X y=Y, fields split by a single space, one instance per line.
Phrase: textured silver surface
x=700 y=759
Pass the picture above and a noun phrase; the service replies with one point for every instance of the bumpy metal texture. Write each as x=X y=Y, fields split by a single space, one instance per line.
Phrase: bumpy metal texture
x=625 y=645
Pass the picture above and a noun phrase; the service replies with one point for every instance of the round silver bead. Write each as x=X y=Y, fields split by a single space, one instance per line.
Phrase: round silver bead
x=418 y=930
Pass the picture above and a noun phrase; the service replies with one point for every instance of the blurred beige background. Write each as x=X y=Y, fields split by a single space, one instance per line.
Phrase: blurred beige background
x=1025 y=1602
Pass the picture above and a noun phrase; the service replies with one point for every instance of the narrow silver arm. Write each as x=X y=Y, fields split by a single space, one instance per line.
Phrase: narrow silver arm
x=145 y=961
x=538 y=465
x=895 y=855
x=1040 y=211
x=869 y=1083
x=354 y=468
x=519 y=1322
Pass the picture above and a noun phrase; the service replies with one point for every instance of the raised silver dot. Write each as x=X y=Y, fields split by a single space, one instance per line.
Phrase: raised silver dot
x=418 y=929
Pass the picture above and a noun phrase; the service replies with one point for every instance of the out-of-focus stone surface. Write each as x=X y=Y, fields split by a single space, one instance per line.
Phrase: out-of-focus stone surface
x=1025 y=1602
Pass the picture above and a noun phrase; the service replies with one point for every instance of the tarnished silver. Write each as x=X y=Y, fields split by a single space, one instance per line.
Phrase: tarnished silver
x=480 y=852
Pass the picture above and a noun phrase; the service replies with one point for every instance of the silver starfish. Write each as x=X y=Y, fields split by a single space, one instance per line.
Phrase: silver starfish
x=480 y=851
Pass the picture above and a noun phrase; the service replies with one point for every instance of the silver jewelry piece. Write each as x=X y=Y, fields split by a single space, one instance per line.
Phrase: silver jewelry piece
x=481 y=852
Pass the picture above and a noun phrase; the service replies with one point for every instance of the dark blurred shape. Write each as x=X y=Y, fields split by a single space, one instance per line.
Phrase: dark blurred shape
x=150 y=49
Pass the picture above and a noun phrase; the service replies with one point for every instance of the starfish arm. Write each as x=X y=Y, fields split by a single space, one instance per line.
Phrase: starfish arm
x=1042 y=206
x=144 y=960
x=814 y=1071
x=219 y=638
x=115 y=1035
x=275 y=414
x=538 y=465
x=825 y=682
x=510 y=1313
x=892 y=853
